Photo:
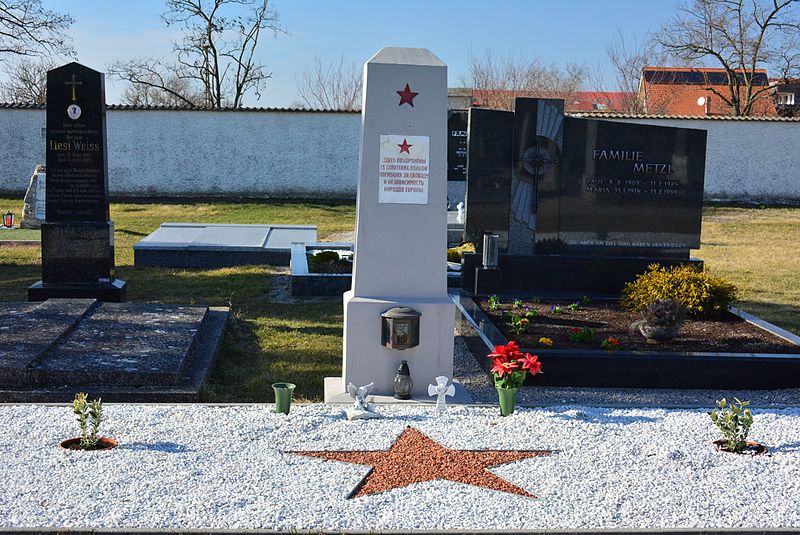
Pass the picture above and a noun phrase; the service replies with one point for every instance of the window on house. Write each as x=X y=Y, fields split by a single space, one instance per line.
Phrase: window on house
x=600 y=106
x=786 y=99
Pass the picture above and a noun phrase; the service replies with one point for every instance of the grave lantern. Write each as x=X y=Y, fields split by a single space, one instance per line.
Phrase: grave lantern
x=402 y=382
x=491 y=250
x=400 y=328
x=8 y=219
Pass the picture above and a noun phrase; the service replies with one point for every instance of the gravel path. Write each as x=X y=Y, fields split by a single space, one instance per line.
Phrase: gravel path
x=197 y=466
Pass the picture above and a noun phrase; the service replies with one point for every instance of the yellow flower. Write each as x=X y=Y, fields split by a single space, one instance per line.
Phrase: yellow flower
x=545 y=342
x=523 y=321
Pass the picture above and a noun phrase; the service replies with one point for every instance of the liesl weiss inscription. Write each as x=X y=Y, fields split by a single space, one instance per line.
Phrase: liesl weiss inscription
x=655 y=183
x=76 y=171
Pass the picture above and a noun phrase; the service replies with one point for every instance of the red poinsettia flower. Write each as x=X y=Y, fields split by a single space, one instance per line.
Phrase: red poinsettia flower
x=532 y=364
x=502 y=368
x=506 y=352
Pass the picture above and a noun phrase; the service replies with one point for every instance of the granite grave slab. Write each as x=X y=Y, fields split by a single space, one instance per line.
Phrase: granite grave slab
x=50 y=350
x=210 y=246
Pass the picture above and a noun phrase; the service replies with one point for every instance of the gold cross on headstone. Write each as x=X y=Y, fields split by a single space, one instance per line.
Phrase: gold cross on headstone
x=73 y=83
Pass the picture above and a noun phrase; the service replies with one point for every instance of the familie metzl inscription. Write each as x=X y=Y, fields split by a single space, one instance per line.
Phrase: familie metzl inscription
x=77 y=172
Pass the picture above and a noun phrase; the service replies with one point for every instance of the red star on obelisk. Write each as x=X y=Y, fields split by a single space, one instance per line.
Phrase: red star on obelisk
x=415 y=458
x=407 y=96
x=404 y=146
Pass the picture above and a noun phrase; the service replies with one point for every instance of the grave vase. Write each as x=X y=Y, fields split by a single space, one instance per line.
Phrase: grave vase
x=508 y=400
x=283 y=396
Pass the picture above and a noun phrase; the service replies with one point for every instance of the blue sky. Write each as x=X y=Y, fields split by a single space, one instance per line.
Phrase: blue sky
x=561 y=31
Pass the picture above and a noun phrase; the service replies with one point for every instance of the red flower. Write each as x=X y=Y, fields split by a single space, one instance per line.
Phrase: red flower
x=506 y=352
x=532 y=364
x=613 y=341
x=576 y=330
x=502 y=368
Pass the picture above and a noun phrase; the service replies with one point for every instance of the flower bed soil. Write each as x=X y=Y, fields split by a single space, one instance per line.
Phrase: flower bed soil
x=725 y=334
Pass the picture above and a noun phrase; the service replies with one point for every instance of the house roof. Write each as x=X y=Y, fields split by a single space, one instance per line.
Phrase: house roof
x=573 y=101
x=696 y=76
x=612 y=115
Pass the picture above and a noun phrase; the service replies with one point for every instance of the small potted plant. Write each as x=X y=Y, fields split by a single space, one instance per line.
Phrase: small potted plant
x=661 y=320
x=89 y=414
x=734 y=421
x=509 y=370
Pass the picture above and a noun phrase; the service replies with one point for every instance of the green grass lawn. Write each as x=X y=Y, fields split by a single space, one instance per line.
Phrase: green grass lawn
x=269 y=341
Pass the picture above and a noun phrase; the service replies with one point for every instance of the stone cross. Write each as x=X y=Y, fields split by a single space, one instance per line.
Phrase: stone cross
x=440 y=389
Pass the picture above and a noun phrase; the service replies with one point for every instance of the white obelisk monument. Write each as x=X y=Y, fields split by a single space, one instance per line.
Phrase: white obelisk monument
x=401 y=224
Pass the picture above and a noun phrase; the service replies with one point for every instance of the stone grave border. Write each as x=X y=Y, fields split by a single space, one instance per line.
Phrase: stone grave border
x=637 y=369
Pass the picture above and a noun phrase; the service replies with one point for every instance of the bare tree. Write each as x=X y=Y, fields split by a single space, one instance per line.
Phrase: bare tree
x=332 y=87
x=28 y=29
x=216 y=56
x=739 y=36
x=26 y=81
x=498 y=80
x=629 y=57
x=157 y=91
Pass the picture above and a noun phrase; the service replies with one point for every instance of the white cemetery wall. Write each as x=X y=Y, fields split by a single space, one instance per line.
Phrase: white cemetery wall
x=193 y=153
x=747 y=160
x=267 y=153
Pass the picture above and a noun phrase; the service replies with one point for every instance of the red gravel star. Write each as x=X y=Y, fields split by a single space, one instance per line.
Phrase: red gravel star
x=407 y=96
x=415 y=458
x=404 y=146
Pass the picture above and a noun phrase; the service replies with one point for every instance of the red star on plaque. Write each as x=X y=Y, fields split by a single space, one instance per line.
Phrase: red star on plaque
x=407 y=96
x=415 y=458
x=404 y=146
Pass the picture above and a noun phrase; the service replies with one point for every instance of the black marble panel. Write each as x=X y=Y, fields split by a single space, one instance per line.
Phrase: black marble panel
x=538 y=135
x=488 y=175
x=457 y=145
x=623 y=189
x=77 y=170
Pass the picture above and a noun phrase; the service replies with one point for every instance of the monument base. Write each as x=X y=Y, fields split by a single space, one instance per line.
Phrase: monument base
x=592 y=275
x=336 y=394
x=113 y=291
x=366 y=360
x=488 y=280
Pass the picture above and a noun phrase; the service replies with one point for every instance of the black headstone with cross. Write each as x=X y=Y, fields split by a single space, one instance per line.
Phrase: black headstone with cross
x=78 y=236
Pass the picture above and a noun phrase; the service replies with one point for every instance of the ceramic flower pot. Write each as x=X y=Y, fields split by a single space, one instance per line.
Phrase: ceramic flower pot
x=283 y=396
x=104 y=443
x=655 y=334
x=508 y=400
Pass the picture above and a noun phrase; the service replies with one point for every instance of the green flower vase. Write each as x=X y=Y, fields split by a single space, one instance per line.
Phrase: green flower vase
x=508 y=400
x=283 y=396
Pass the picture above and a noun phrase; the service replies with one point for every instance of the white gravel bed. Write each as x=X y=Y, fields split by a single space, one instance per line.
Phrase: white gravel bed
x=197 y=466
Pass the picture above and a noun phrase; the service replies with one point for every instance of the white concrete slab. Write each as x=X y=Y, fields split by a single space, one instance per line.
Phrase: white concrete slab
x=199 y=236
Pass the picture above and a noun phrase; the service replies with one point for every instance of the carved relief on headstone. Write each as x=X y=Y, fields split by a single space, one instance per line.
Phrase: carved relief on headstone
x=33 y=212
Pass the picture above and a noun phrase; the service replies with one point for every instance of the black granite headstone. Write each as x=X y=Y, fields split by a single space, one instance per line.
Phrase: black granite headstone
x=77 y=237
x=489 y=175
x=457 y=145
x=625 y=190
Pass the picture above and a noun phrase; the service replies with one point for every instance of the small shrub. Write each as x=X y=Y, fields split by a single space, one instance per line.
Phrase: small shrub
x=583 y=335
x=454 y=253
x=734 y=422
x=328 y=262
x=494 y=302
x=89 y=414
x=700 y=293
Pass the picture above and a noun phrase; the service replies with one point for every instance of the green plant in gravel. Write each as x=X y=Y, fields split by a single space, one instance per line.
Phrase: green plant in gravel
x=583 y=335
x=494 y=303
x=574 y=306
x=699 y=292
x=586 y=300
x=517 y=324
x=89 y=414
x=517 y=303
x=734 y=421
x=530 y=313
